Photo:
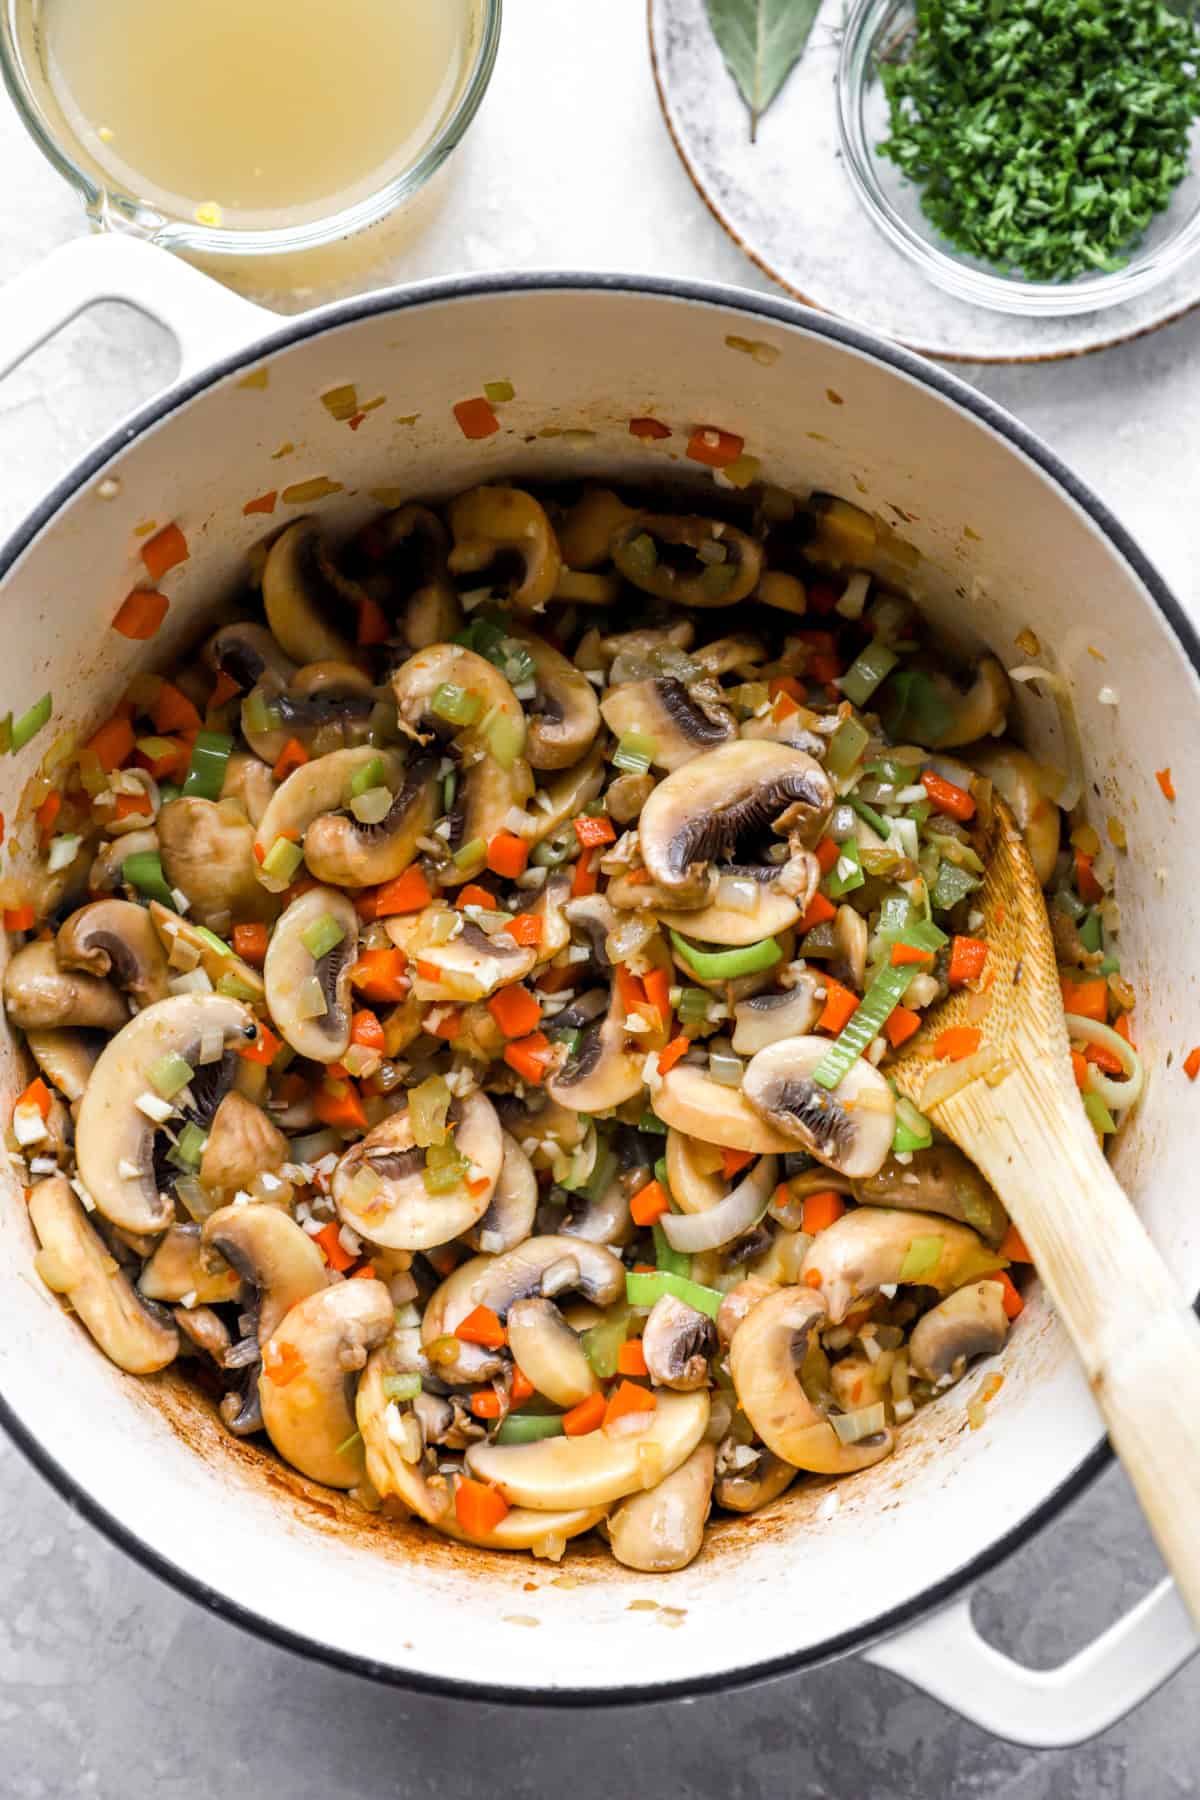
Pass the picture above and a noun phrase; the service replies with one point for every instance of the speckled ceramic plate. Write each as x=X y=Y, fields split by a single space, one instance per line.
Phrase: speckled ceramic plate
x=787 y=202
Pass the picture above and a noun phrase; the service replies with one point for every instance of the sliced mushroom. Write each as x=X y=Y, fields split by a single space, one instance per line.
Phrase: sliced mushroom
x=318 y=787
x=115 y=938
x=564 y=714
x=297 y=982
x=724 y=802
x=1018 y=779
x=205 y=1330
x=66 y=1058
x=746 y=1486
x=74 y=1262
x=938 y=1180
x=246 y=652
x=979 y=711
x=342 y=850
x=38 y=992
x=183 y=1264
x=706 y=562
x=242 y=1143
x=470 y=965
x=849 y=1127
x=772 y=910
x=412 y=549
x=311 y=608
x=605 y=1069
x=308 y=1368
x=597 y=1468
x=694 y=1173
x=586 y=532
x=548 y=1353
x=692 y=1102
x=663 y=1529
x=379 y=1184
x=510 y=1213
x=248 y=781
x=873 y=1247
x=187 y=948
x=606 y=1218
x=208 y=854
x=849 y=963
x=114 y=1139
x=327 y=705
x=765 y=1357
x=677 y=1342
x=487 y=522
x=970 y=1322
x=785 y=1012
x=566 y=796
x=679 y=723
x=278 y=1263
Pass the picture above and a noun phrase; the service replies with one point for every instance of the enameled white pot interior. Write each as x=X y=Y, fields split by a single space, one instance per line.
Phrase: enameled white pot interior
x=1004 y=549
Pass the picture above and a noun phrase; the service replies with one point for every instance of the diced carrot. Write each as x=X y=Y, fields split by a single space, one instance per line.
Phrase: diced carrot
x=649 y=1203
x=19 y=918
x=482 y=1326
x=789 y=685
x=904 y=955
x=657 y=984
x=250 y=943
x=825 y=668
x=282 y=1362
x=485 y=1403
x=668 y=1057
x=1085 y=880
x=734 y=1161
x=552 y=980
x=224 y=688
x=292 y=756
x=783 y=706
x=631 y=1358
x=1087 y=998
x=947 y=797
x=443 y=1259
x=475 y=417
x=129 y=804
x=813 y=1278
x=901 y=1024
x=337 y=1103
x=822 y=598
x=140 y=614
x=265 y=503
x=826 y=853
x=48 y=812
x=840 y=1006
x=525 y=929
x=444 y=1022
x=479 y=1185
x=1163 y=778
x=592 y=830
x=648 y=428
x=818 y=911
x=364 y=1272
x=164 y=551
x=515 y=1010
x=379 y=975
x=407 y=893
x=958 y=1042
x=1079 y=1068
x=638 y=877
x=529 y=1056
x=507 y=854
x=173 y=711
x=626 y=1399
x=36 y=1094
x=521 y=1388
x=823 y=642
x=112 y=743
x=336 y=1254
x=366 y=1030
x=478 y=1507
x=584 y=881
x=631 y=990
x=373 y=626
x=474 y=895
x=1013 y=1246
x=1014 y=1306
x=587 y=1416
x=822 y=1210
x=1191 y=1063
x=1105 y=1060
x=1123 y=1026
x=264 y=1049
x=714 y=448
x=967 y=957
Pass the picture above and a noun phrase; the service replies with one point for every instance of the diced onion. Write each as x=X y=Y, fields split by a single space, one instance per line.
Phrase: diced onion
x=737 y=1213
x=950 y=1078
x=852 y=1427
x=369 y=808
x=310 y=999
x=1116 y=1095
x=725 y=1068
x=738 y=893
x=194 y=981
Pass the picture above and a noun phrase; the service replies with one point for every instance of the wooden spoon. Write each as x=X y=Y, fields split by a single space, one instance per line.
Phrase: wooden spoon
x=1020 y=1120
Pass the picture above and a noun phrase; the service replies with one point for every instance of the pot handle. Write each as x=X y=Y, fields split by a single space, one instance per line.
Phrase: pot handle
x=1044 y=1708
x=206 y=319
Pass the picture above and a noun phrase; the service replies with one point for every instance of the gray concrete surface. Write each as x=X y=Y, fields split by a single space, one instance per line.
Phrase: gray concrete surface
x=111 y=1685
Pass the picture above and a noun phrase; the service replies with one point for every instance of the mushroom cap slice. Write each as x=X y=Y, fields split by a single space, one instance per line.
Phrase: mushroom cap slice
x=548 y=1353
x=690 y=1101
x=600 y=1467
x=732 y=794
x=39 y=992
x=720 y=583
x=470 y=965
x=773 y=911
x=606 y=1067
x=563 y=798
x=487 y=520
x=182 y=1263
x=277 y=1261
x=941 y=1180
x=207 y=851
x=74 y=1262
x=290 y=966
x=508 y=1219
x=249 y=781
x=663 y=1528
x=242 y=1143
x=309 y=1414
x=680 y=724
x=307 y=599
x=765 y=1355
x=316 y=787
x=565 y=714
x=325 y=706
x=850 y=1128
x=173 y=931
x=112 y=1133
x=970 y=1322
x=115 y=938
x=586 y=531
x=1017 y=778
x=746 y=1490
x=763 y=1019
x=677 y=1342
x=866 y=1249
x=694 y=1173
x=66 y=1058
x=247 y=652
x=340 y=849
x=400 y=1213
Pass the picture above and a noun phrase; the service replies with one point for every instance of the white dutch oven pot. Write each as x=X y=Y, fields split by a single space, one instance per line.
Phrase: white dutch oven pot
x=1009 y=540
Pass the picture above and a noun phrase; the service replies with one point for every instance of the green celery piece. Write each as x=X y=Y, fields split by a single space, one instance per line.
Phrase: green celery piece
x=915 y=708
x=924 y=935
x=645 y=1290
x=144 y=871
x=952 y=885
x=839 y=882
x=370 y=775
x=885 y=992
x=846 y=747
x=869 y=668
x=674 y=1262
x=31 y=722
x=602 y=1342
x=913 y=1130
x=1090 y=933
x=206 y=770
x=529 y=1428
x=921 y=1257
x=874 y=819
x=722 y=965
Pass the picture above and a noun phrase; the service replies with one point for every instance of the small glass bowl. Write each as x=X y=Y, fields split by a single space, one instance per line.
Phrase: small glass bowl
x=108 y=207
x=874 y=30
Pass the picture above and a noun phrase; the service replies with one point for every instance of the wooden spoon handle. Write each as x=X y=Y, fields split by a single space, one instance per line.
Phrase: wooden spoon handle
x=1136 y=1334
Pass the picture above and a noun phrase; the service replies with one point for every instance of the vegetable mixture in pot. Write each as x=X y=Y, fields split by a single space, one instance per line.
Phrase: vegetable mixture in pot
x=463 y=996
